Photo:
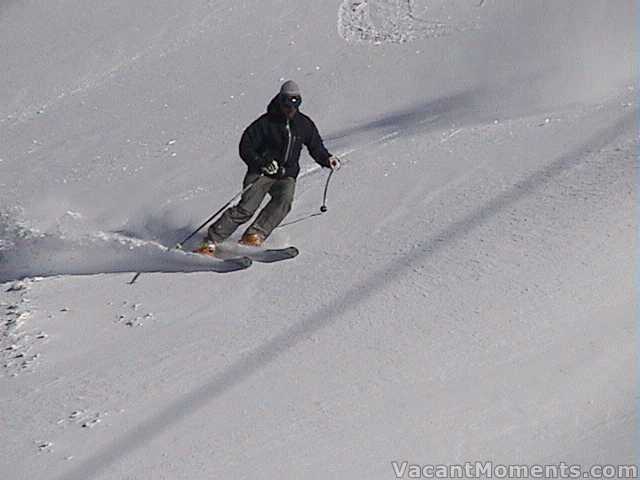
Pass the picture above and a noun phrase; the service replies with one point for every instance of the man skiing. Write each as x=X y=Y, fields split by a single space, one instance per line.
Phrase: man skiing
x=271 y=148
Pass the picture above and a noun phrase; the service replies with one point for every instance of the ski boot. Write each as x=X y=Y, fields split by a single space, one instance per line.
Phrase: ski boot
x=252 y=240
x=207 y=247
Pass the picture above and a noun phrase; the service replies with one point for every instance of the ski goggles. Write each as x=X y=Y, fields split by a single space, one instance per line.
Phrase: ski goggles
x=291 y=101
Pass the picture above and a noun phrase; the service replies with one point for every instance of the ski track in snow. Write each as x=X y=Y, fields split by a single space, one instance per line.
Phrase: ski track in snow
x=156 y=46
x=18 y=343
x=390 y=21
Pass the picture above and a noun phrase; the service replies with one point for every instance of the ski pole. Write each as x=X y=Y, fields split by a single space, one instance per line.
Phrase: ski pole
x=324 y=208
x=223 y=208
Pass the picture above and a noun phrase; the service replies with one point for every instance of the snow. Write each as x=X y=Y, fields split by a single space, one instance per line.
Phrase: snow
x=469 y=294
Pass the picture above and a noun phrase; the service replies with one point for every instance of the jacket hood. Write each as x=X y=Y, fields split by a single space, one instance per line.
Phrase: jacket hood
x=274 y=111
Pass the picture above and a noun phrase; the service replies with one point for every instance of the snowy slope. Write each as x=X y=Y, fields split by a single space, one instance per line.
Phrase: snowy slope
x=468 y=295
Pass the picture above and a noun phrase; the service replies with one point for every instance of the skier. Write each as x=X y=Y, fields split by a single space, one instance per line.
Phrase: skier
x=271 y=148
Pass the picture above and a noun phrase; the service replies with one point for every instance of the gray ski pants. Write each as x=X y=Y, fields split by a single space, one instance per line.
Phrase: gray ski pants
x=281 y=191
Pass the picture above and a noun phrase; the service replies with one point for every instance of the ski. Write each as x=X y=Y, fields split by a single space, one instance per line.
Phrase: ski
x=269 y=255
x=232 y=263
x=227 y=264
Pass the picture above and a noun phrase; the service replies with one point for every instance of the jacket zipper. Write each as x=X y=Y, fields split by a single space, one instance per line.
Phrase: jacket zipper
x=286 y=155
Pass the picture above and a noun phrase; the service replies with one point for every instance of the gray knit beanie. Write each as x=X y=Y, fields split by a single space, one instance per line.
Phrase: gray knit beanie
x=290 y=89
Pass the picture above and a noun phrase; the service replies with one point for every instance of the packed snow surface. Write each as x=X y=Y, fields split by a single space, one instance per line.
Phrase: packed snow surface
x=468 y=295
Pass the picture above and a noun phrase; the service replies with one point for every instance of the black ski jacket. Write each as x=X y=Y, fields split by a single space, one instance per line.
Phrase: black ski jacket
x=273 y=137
